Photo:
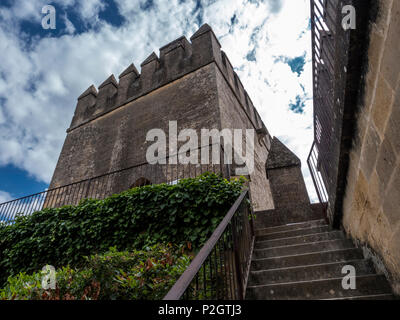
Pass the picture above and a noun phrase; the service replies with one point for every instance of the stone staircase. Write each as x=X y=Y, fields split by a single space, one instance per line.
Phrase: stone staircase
x=304 y=260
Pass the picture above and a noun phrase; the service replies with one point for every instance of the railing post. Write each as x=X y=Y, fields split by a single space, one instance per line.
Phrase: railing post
x=88 y=188
x=251 y=212
x=239 y=276
x=310 y=167
x=226 y=227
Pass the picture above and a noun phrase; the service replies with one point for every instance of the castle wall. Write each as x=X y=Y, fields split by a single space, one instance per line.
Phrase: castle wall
x=233 y=115
x=288 y=187
x=371 y=209
x=283 y=167
x=192 y=83
x=117 y=140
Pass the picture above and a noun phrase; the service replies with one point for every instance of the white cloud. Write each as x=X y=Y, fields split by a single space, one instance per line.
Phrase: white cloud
x=69 y=26
x=5 y=196
x=41 y=84
x=29 y=10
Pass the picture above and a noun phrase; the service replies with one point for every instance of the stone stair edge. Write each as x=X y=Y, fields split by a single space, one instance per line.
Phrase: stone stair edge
x=304 y=244
x=295 y=224
x=309 y=266
x=305 y=254
x=292 y=230
x=299 y=237
x=313 y=281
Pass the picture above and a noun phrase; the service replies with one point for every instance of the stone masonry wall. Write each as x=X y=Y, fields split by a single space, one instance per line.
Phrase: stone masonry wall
x=285 y=177
x=233 y=116
x=192 y=83
x=371 y=209
x=117 y=139
x=288 y=187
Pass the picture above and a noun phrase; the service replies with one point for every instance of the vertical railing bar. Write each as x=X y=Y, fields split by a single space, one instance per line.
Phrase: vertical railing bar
x=75 y=197
x=197 y=286
x=81 y=192
x=17 y=207
x=42 y=200
x=31 y=204
x=211 y=276
x=6 y=210
x=221 y=263
x=3 y=208
x=237 y=261
x=226 y=263
x=204 y=281
x=61 y=197
x=14 y=209
x=53 y=197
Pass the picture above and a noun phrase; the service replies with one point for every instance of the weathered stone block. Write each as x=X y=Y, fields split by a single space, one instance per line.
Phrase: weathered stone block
x=360 y=195
x=382 y=104
x=394 y=264
x=384 y=229
x=375 y=193
x=391 y=204
x=370 y=151
x=384 y=15
x=362 y=126
x=386 y=163
x=352 y=176
x=391 y=56
x=374 y=56
x=393 y=127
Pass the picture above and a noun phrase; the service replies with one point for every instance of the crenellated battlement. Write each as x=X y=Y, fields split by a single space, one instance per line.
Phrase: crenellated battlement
x=175 y=60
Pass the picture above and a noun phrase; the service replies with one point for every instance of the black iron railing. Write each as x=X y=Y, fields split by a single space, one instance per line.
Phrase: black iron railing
x=339 y=53
x=316 y=175
x=220 y=270
x=324 y=19
x=330 y=45
x=105 y=185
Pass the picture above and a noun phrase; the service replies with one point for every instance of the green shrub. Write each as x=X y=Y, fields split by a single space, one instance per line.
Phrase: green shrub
x=133 y=275
x=186 y=212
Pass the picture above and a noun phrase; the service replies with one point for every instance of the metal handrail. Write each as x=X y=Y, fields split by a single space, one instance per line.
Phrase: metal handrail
x=338 y=56
x=92 y=178
x=102 y=186
x=312 y=162
x=185 y=280
x=323 y=64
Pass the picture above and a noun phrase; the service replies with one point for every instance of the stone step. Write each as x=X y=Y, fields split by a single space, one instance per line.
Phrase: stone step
x=368 y=297
x=319 y=289
x=292 y=226
x=307 y=273
x=316 y=237
x=298 y=213
x=306 y=259
x=321 y=246
x=263 y=236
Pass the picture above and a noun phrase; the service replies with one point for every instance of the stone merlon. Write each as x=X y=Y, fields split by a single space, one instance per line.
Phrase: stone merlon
x=178 y=58
x=280 y=156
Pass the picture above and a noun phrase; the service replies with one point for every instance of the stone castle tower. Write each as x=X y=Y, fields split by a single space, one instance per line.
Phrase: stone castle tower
x=192 y=83
x=286 y=179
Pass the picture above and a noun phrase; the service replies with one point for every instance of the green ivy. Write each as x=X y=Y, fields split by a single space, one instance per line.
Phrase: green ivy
x=186 y=212
x=129 y=275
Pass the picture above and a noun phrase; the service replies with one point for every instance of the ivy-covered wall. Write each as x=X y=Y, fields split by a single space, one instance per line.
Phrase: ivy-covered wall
x=182 y=214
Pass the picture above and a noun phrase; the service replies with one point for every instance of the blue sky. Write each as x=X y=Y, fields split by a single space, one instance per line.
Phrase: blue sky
x=42 y=72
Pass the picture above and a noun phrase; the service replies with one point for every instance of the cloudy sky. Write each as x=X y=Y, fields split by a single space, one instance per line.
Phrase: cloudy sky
x=42 y=72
